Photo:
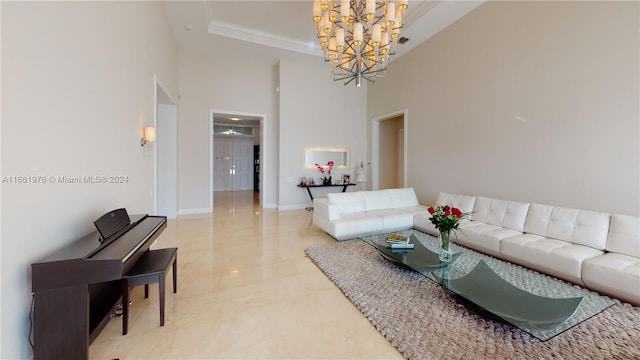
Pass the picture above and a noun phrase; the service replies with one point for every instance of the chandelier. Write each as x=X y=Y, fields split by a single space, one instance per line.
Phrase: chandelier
x=358 y=36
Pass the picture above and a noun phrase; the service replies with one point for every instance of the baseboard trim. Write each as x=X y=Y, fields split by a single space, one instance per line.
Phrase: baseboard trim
x=293 y=207
x=194 y=211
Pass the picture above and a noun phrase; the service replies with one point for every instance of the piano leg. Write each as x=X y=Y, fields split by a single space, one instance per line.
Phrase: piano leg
x=125 y=306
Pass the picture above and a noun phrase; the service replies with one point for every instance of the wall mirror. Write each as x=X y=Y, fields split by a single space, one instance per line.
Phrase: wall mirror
x=340 y=157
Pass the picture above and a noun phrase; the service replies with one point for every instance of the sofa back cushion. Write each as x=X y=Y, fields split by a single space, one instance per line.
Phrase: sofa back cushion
x=462 y=202
x=588 y=228
x=624 y=235
x=347 y=202
x=404 y=197
x=377 y=200
x=507 y=214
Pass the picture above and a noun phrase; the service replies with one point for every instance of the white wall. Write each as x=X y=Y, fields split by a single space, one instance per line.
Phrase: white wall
x=315 y=111
x=220 y=83
x=295 y=119
x=528 y=101
x=78 y=87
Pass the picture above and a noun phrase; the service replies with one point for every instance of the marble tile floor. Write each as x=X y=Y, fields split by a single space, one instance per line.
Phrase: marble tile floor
x=245 y=291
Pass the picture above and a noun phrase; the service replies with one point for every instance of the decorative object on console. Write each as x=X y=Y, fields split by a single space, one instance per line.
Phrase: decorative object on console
x=446 y=219
x=357 y=36
x=326 y=180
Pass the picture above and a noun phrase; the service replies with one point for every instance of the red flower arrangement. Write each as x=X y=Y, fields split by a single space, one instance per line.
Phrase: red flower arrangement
x=445 y=218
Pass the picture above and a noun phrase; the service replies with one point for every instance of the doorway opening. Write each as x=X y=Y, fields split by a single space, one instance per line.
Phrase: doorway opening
x=165 y=153
x=236 y=152
x=389 y=150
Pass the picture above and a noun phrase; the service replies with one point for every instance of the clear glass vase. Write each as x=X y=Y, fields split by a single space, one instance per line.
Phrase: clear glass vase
x=446 y=253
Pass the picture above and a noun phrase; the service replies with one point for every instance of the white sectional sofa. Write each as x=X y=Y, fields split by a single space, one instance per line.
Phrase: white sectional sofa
x=558 y=240
x=596 y=250
x=351 y=214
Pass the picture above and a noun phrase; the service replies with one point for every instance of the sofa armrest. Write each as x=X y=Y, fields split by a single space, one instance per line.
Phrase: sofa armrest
x=326 y=210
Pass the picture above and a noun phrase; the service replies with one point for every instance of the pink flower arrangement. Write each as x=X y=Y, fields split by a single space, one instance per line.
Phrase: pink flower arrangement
x=326 y=180
x=329 y=166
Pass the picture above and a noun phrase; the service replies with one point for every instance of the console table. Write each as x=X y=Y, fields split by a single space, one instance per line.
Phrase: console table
x=309 y=187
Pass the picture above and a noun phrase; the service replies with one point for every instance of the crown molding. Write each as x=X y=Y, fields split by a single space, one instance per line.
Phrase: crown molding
x=262 y=38
x=418 y=10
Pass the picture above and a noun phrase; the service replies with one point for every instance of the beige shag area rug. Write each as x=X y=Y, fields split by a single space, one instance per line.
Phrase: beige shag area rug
x=418 y=318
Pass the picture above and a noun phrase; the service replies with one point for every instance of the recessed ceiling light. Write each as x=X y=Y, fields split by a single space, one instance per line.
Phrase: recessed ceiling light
x=188 y=27
x=234 y=118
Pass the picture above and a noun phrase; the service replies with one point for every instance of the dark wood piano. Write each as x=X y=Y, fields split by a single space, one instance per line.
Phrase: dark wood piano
x=77 y=288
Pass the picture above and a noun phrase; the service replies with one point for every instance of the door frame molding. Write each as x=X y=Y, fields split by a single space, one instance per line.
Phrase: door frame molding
x=375 y=145
x=157 y=85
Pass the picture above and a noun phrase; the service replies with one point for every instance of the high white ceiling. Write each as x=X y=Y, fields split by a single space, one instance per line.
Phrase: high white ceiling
x=273 y=30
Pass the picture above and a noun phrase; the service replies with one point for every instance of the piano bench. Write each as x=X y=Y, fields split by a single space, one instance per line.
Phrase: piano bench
x=150 y=268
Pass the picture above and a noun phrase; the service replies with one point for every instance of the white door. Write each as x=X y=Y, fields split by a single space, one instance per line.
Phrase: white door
x=232 y=168
x=222 y=165
x=242 y=168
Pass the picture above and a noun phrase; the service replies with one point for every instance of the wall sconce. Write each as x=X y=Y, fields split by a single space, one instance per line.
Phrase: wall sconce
x=149 y=135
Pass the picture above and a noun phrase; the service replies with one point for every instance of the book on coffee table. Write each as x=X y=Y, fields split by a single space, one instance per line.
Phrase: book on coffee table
x=400 y=246
x=399 y=241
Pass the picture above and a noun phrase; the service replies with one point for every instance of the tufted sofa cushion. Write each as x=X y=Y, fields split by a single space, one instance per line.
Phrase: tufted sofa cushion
x=463 y=202
x=506 y=214
x=347 y=202
x=581 y=227
x=558 y=240
x=492 y=221
x=624 y=235
x=614 y=274
x=617 y=273
x=403 y=197
x=376 y=200
x=559 y=258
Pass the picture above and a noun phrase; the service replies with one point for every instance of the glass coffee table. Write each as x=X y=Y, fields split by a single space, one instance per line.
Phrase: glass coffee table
x=537 y=304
